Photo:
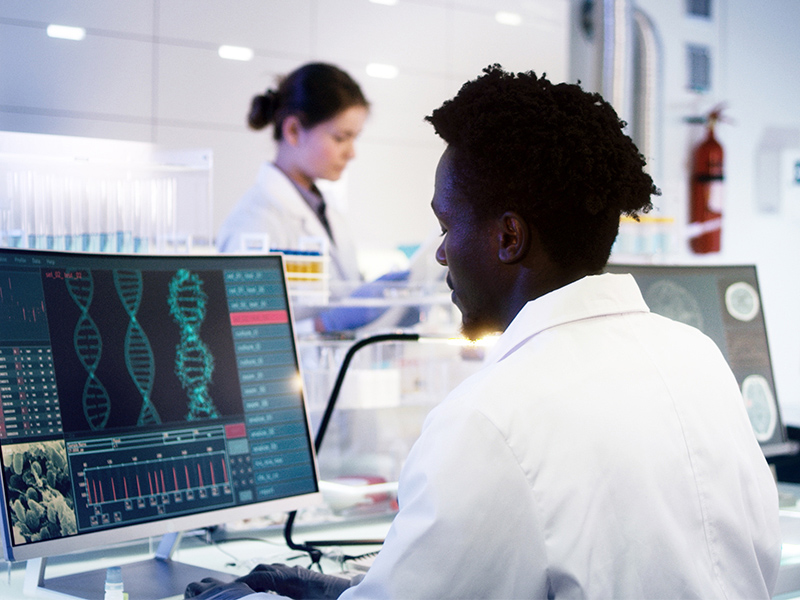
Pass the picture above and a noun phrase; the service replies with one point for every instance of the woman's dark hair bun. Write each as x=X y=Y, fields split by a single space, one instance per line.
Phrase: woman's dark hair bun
x=262 y=110
x=314 y=93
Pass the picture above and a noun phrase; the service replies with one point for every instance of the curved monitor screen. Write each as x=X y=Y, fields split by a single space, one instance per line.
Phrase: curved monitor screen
x=145 y=394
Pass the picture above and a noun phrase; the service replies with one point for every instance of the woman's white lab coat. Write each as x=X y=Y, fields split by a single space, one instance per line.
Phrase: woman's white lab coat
x=274 y=206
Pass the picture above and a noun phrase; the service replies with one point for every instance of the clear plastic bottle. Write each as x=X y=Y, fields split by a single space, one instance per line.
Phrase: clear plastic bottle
x=113 y=587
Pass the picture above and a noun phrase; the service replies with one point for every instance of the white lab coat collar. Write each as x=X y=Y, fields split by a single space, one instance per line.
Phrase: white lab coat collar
x=592 y=296
x=277 y=186
x=276 y=189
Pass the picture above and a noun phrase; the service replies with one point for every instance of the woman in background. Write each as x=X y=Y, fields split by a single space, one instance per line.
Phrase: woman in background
x=317 y=113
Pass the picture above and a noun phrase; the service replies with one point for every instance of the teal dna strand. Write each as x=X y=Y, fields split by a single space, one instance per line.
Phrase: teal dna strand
x=138 y=353
x=194 y=363
x=89 y=346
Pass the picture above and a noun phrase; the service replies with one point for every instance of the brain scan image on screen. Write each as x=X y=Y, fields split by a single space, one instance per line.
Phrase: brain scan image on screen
x=672 y=300
x=741 y=300
x=726 y=304
x=760 y=404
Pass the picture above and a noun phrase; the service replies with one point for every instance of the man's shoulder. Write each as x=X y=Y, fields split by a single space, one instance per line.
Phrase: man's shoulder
x=486 y=392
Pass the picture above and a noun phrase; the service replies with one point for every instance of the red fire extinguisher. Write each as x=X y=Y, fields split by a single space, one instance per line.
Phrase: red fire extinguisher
x=705 y=213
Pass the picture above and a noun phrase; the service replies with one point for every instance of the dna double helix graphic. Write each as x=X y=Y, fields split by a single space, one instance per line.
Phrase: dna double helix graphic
x=194 y=363
x=89 y=346
x=138 y=353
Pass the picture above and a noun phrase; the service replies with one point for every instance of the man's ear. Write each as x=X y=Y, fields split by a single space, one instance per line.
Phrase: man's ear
x=515 y=238
x=290 y=129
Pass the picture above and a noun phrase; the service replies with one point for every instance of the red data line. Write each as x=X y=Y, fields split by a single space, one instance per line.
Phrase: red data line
x=213 y=479
x=138 y=486
x=113 y=489
x=188 y=485
x=224 y=470
x=200 y=475
x=163 y=487
x=175 y=478
x=125 y=484
x=150 y=482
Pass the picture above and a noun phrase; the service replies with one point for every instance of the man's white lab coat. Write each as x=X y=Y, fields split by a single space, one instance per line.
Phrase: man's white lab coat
x=274 y=206
x=603 y=452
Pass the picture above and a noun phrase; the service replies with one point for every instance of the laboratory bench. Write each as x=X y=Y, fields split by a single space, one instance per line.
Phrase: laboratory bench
x=235 y=550
x=224 y=553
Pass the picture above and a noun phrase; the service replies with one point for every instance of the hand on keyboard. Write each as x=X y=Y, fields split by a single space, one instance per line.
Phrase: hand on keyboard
x=214 y=589
x=295 y=582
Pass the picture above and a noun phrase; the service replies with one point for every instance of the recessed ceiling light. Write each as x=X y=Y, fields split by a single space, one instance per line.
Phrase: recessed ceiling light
x=65 y=32
x=508 y=18
x=236 y=52
x=384 y=2
x=382 y=71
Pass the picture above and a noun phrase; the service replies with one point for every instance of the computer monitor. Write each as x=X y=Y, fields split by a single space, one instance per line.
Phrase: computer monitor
x=143 y=395
x=725 y=303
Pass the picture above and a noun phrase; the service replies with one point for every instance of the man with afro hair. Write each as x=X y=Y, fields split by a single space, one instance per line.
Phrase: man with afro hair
x=602 y=451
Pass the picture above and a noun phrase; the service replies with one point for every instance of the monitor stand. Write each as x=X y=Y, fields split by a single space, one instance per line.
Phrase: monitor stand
x=151 y=579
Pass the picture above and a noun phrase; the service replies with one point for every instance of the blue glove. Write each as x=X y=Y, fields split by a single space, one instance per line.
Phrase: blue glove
x=352 y=317
x=295 y=582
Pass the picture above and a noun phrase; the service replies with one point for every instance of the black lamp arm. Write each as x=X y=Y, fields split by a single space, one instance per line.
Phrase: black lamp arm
x=314 y=552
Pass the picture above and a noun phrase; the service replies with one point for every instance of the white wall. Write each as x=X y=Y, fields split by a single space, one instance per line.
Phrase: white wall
x=761 y=52
x=755 y=52
x=148 y=70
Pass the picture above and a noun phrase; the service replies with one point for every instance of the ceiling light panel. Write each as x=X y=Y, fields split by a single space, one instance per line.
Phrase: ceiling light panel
x=236 y=53
x=66 y=32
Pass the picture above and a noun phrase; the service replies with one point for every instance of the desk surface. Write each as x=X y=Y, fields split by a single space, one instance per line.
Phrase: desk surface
x=232 y=552
x=236 y=552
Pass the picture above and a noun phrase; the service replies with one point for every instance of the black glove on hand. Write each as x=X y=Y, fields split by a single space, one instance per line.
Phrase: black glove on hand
x=214 y=589
x=295 y=582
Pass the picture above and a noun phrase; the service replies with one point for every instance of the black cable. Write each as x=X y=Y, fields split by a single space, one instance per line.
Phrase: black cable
x=337 y=386
x=315 y=553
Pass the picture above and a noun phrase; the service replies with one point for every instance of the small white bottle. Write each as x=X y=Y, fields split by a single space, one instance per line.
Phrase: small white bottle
x=114 y=584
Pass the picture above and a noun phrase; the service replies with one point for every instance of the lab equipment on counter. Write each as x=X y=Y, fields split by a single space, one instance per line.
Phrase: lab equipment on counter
x=95 y=195
x=114 y=587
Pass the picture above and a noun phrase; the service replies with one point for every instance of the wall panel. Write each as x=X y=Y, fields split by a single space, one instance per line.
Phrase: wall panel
x=127 y=17
x=281 y=27
x=148 y=70
x=407 y=35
